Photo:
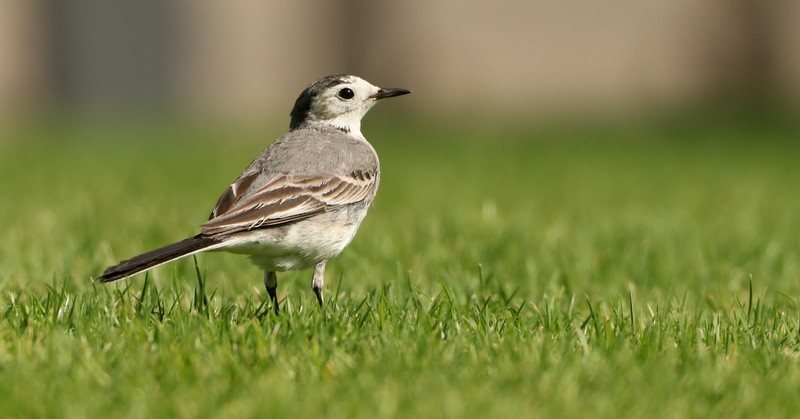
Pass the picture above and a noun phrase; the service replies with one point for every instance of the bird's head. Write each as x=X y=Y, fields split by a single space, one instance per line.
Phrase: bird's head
x=338 y=100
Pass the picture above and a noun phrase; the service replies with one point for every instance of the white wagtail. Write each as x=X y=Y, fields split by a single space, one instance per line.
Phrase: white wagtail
x=300 y=202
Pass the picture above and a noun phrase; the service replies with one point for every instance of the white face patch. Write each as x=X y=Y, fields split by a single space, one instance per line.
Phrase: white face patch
x=344 y=104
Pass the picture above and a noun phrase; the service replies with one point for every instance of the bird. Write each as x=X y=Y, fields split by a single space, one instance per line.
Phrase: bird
x=301 y=201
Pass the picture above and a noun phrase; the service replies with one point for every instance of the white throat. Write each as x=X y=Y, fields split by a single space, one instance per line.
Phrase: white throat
x=348 y=122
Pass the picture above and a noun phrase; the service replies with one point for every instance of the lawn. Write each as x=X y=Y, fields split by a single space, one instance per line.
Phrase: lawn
x=506 y=270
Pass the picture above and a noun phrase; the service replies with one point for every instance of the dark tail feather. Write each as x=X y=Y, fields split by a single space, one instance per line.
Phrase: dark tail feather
x=156 y=257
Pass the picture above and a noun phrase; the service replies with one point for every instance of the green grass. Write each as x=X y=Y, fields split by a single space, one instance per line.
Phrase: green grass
x=643 y=270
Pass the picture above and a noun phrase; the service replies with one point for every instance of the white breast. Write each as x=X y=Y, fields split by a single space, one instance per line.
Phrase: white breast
x=299 y=245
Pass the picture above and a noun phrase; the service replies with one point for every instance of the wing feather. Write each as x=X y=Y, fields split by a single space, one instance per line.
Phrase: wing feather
x=285 y=199
x=233 y=193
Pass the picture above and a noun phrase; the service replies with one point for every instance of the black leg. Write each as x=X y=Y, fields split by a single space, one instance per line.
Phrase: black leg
x=318 y=293
x=273 y=295
x=271 y=283
x=318 y=281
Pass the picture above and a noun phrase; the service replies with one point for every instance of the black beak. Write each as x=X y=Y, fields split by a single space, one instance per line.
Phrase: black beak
x=385 y=92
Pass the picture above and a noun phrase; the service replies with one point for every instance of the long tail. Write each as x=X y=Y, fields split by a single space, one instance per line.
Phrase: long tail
x=157 y=257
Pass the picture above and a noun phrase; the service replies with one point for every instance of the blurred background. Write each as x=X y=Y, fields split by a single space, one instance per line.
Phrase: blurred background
x=512 y=58
x=605 y=143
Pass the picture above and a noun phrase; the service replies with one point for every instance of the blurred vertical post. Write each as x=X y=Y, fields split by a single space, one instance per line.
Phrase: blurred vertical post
x=24 y=63
x=757 y=81
x=356 y=17
x=111 y=54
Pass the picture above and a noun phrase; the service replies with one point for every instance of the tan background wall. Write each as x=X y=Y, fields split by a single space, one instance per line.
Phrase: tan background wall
x=511 y=56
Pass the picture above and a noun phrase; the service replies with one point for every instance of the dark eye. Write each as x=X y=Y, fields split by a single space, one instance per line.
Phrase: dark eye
x=346 y=93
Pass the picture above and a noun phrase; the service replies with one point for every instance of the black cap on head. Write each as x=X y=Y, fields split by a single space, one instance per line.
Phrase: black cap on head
x=302 y=105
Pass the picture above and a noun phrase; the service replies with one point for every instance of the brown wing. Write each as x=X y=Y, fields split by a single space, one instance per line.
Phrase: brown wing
x=285 y=199
x=233 y=193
